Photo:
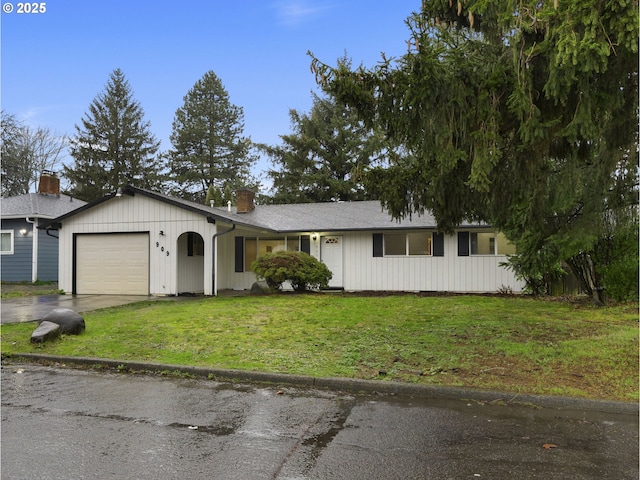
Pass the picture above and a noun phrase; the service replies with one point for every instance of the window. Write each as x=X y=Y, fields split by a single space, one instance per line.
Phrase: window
x=395 y=244
x=6 y=241
x=505 y=247
x=270 y=245
x=412 y=243
x=257 y=246
x=484 y=243
x=419 y=243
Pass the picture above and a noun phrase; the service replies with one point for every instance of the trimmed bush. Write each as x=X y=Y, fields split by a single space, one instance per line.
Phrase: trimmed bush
x=303 y=271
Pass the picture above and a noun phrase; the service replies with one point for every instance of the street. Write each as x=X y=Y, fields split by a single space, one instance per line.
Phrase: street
x=62 y=423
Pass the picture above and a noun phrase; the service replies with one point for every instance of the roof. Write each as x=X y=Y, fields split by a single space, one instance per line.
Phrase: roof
x=329 y=216
x=38 y=205
x=289 y=218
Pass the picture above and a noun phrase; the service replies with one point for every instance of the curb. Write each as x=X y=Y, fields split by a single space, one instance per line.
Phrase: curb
x=356 y=386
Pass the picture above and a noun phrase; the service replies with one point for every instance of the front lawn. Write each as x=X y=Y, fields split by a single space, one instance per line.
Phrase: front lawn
x=514 y=344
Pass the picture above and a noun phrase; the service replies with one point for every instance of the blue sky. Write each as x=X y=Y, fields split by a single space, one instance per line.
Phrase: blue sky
x=55 y=63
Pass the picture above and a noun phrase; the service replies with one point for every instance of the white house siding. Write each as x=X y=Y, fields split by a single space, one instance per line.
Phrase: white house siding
x=140 y=214
x=226 y=276
x=362 y=271
x=480 y=273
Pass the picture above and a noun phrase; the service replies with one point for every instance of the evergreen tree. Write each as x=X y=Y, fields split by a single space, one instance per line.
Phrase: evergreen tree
x=218 y=196
x=516 y=113
x=113 y=146
x=208 y=143
x=324 y=158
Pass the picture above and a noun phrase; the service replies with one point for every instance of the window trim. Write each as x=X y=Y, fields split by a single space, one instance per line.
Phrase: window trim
x=464 y=244
x=302 y=242
x=380 y=244
x=12 y=236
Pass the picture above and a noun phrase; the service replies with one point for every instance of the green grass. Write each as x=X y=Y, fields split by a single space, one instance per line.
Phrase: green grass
x=515 y=344
x=25 y=289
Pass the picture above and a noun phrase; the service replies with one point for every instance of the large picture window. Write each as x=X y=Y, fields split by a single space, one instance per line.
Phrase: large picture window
x=484 y=243
x=255 y=247
x=414 y=243
x=6 y=242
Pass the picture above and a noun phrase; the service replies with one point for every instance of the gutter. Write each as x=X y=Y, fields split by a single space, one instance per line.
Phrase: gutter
x=214 y=290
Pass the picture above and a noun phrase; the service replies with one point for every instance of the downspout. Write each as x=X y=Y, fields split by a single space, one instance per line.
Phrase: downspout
x=34 y=248
x=215 y=260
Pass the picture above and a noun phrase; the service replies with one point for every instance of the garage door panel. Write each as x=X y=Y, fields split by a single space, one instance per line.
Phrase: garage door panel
x=112 y=264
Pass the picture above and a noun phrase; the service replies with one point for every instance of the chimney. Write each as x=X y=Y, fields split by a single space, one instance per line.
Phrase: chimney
x=49 y=183
x=245 y=200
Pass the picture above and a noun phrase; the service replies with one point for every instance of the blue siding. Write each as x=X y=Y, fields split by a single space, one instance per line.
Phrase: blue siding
x=47 y=257
x=17 y=267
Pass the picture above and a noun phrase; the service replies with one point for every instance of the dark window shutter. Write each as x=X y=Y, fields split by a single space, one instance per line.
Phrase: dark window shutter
x=305 y=244
x=463 y=244
x=438 y=244
x=377 y=245
x=239 y=254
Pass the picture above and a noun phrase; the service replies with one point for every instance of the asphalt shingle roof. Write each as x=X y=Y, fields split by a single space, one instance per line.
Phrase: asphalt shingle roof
x=38 y=205
x=331 y=216
x=299 y=217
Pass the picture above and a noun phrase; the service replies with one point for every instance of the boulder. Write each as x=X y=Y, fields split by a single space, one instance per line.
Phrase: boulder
x=259 y=287
x=45 y=331
x=70 y=321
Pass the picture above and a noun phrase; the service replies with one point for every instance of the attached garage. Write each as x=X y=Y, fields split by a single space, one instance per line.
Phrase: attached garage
x=140 y=242
x=114 y=263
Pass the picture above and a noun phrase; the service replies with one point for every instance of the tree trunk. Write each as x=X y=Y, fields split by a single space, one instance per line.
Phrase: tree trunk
x=584 y=269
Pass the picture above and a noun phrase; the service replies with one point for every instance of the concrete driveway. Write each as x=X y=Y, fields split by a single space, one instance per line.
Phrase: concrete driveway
x=33 y=308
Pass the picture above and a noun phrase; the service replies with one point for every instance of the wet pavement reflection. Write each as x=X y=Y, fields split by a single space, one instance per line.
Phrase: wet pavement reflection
x=67 y=423
x=32 y=308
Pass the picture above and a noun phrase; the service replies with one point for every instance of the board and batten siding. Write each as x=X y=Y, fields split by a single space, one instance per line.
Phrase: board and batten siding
x=141 y=214
x=226 y=276
x=478 y=273
x=362 y=271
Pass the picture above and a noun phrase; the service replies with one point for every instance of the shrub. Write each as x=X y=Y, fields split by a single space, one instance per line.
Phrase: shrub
x=618 y=260
x=301 y=269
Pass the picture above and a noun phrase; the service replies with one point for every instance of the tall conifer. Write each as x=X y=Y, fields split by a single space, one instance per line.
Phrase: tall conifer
x=208 y=143
x=113 y=145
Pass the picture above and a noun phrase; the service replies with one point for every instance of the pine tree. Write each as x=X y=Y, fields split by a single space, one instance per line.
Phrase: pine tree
x=325 y=157
x=113 y=146
x=520 y=114
x=208 y=143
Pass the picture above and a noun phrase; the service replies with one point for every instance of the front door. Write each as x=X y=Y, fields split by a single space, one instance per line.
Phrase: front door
x=331 y=256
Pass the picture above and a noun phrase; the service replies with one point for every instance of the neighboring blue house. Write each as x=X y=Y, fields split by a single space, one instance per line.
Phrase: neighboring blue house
x=29 y=254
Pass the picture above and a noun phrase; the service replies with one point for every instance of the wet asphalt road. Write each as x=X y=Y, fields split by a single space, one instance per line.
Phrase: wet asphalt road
x=60 y=423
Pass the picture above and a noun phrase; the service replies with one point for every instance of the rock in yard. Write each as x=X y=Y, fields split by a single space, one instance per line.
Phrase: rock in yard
x=45 y=331
x=259 y=287
x=70 y=322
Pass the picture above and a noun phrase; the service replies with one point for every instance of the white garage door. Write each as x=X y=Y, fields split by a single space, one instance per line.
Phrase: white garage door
x=116 y=264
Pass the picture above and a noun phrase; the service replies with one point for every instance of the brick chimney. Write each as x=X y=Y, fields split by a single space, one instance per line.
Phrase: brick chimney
x=245 y=200
x=49 y=183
